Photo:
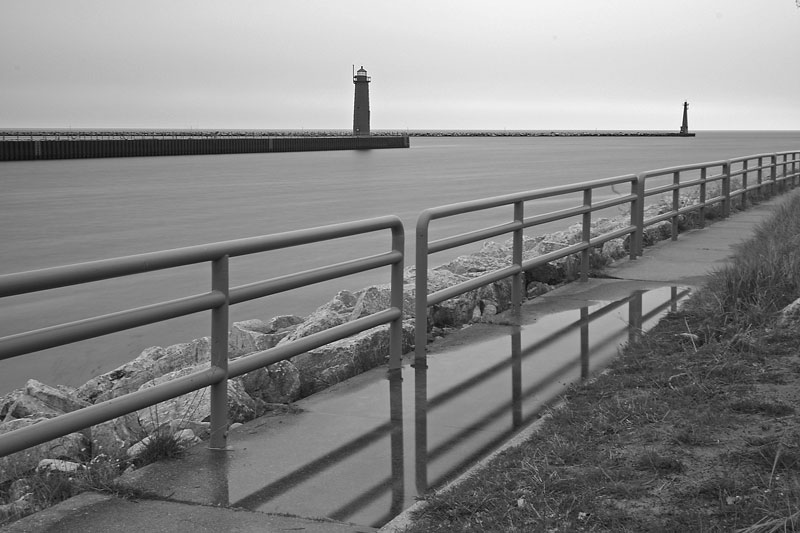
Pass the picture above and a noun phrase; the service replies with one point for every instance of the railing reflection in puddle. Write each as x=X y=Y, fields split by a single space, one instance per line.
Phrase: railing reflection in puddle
x=447 y=417
x=505 y=393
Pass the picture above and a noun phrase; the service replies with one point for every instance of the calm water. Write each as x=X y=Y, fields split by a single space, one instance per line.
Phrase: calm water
x=60 y=212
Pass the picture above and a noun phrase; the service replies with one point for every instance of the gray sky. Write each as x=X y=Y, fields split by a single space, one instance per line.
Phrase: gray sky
x=464 y=64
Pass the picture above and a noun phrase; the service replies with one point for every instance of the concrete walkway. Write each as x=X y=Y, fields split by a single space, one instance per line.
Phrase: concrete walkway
x=283 y=470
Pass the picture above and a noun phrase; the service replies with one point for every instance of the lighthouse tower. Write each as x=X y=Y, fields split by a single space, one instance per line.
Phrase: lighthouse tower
x=361 y=107
x=685 y=125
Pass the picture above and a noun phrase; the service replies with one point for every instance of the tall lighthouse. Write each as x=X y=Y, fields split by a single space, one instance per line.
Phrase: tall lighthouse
x=361 y=107
x=685 y=124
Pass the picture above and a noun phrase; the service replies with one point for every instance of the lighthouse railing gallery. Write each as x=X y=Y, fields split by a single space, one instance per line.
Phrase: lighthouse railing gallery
x=760 y=173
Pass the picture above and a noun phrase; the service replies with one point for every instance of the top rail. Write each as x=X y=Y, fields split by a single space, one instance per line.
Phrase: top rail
x=62 y=276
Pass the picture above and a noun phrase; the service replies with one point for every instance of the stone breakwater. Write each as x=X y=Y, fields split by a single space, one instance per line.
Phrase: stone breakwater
x=271 y=388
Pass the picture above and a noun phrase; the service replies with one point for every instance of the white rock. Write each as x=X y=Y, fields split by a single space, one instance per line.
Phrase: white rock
x=790 y=314
x=58 y=465
x=137 y=449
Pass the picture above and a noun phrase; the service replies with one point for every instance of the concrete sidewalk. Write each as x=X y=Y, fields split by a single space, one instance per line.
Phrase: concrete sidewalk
x=188 y=495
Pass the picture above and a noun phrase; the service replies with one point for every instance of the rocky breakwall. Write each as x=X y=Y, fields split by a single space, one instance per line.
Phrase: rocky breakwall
x=272 y=387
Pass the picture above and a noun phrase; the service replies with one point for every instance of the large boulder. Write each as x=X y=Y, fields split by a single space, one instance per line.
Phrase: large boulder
x=322 y=367
x=71 y=447
x=123 y=379
x=455 y=311
x=60 y=397
x=39 y=400
x=256 y=335
x=181 y=355
x=376 y=298
x=18 y=404
x=116 y=435
x=150 y=364
x=614 y=249
x=492 y=256
x=276 y=383
x=549 y=273
x=194 y=406
x=335 y=312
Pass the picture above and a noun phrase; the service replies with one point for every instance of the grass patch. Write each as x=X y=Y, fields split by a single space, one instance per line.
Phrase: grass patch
x=762 y=406
x=693 y=428
x=159 y=446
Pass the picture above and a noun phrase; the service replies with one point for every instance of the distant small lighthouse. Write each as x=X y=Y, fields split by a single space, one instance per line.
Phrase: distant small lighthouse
x=361 y=106
x=685 y=125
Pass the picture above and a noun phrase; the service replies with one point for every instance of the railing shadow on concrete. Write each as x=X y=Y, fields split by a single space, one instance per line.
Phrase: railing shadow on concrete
x=393 y=484
x=217 y=300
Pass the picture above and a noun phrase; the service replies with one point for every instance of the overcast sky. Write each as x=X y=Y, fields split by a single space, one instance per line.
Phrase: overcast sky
x=462 y=64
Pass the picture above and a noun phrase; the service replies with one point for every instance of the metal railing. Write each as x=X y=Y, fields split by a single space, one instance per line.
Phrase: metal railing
x=516 y=226
x=772 y=172
x=764 y=174
x=217 y=300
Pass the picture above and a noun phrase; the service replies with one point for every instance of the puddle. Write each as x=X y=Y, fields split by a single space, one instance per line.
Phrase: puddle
x=471 y=400
x=364 y=450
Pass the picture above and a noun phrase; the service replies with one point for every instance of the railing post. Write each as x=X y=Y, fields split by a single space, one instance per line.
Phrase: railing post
x=760 y=176
x=219 y=356
x=794 y=168
x=396 y=440
x=396 y=326
x=676 y=204
x=636 y=237
x=421 y=295
x=640 y=190
x=517 y=281
x=726 y=189
x=703 y=177
x=745 y=166
x=773 y=173
x=587 y=233
x=785 y=158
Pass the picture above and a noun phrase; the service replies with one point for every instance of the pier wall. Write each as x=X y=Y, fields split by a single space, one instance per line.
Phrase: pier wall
x=36 y=149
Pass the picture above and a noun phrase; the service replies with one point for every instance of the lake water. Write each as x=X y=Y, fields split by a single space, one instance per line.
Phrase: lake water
x=61 y=212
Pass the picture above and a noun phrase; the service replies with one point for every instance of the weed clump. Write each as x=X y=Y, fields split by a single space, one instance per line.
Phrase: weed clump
x=159 y=446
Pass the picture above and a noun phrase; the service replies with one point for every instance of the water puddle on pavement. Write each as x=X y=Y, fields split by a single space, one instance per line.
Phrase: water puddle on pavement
x=471 y=400
x=364 y=450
